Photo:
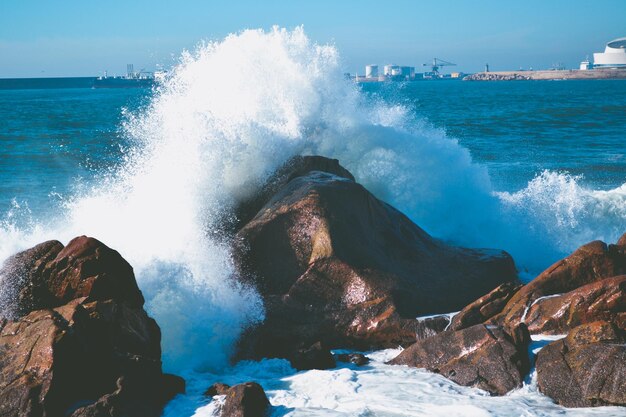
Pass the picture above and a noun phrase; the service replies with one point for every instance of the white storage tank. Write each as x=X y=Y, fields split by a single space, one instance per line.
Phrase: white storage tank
x=371 y=71
x=388 y=69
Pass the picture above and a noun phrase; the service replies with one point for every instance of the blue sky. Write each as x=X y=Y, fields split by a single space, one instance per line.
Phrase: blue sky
x=81 y=38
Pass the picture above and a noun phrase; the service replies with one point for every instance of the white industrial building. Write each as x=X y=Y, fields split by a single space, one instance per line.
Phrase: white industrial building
x=614 y=55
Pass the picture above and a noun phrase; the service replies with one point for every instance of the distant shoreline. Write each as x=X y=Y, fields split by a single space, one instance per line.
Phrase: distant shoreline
x=594 y=74
x=46 y=83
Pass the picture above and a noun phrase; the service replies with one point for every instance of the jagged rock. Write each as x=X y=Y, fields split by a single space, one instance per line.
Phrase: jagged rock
x=245 y=400
x=73 y=356
x=601 y=300
x=315 y=357
x=335 y=264
x=485 y=307
x=590 y=263
x=586 y=368
x=480 y=356
x=358 y=359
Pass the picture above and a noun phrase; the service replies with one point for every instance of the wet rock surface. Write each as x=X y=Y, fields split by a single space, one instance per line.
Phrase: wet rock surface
x=88 y=340
x=480 y=356
x=601 y=300
x=335 y=264
x=485 y=307
x=243 y=400
x=216 y=389
x=590 y=263
x=315 y=357
x=50 y=275
x=586 y=368
x=430 y=326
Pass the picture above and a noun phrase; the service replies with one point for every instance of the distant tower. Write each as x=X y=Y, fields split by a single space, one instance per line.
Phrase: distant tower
x=486 y=67
x=130 y=69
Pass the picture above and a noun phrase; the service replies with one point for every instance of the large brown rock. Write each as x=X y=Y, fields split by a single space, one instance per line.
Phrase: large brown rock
x=590 y=263
x=50 y=275
x=480 y=356
x=98 y=354
x=586 y=368
x=601 y=300
x=335 y=264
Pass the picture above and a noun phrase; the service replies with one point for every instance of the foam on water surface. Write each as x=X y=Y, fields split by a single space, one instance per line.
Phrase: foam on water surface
x=374 y=390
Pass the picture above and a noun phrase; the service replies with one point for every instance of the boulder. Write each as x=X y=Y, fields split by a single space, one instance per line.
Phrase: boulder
x=95 y=354
x=50 y=275
x=335 y=264
x=590 y=263
x=601 y=300
x=480 y=356
x=245 y=400
x=586 y=368
x=315 y=357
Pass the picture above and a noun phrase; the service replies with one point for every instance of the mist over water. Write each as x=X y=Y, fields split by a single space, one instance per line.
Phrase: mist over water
x=233 y=111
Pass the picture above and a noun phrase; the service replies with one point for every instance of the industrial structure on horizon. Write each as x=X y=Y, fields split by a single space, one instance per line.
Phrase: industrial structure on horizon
x=607 y=65
x=614 y=56
x=393 y=72
x=610 y=64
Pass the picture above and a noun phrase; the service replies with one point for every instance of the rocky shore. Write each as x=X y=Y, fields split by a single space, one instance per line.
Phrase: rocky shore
x=77 y=341
x=336 y=268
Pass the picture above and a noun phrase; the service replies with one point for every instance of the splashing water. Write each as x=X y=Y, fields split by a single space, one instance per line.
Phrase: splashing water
x=233 y=111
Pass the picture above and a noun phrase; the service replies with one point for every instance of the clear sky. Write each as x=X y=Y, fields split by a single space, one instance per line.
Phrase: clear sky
x=83 y=38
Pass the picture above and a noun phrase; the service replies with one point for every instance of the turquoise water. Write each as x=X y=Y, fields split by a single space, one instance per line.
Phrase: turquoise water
x=54 y=139
x=519 y=129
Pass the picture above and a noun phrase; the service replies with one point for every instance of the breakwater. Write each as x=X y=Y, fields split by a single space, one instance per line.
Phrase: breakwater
x=595 y=74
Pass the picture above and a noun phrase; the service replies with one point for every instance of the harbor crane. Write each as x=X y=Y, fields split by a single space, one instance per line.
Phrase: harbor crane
x=437 y=63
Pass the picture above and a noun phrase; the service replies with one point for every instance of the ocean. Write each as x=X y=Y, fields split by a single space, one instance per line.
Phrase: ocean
x=536 y=168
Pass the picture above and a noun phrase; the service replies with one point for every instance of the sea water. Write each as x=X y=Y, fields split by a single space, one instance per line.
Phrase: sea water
x=535 y=168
